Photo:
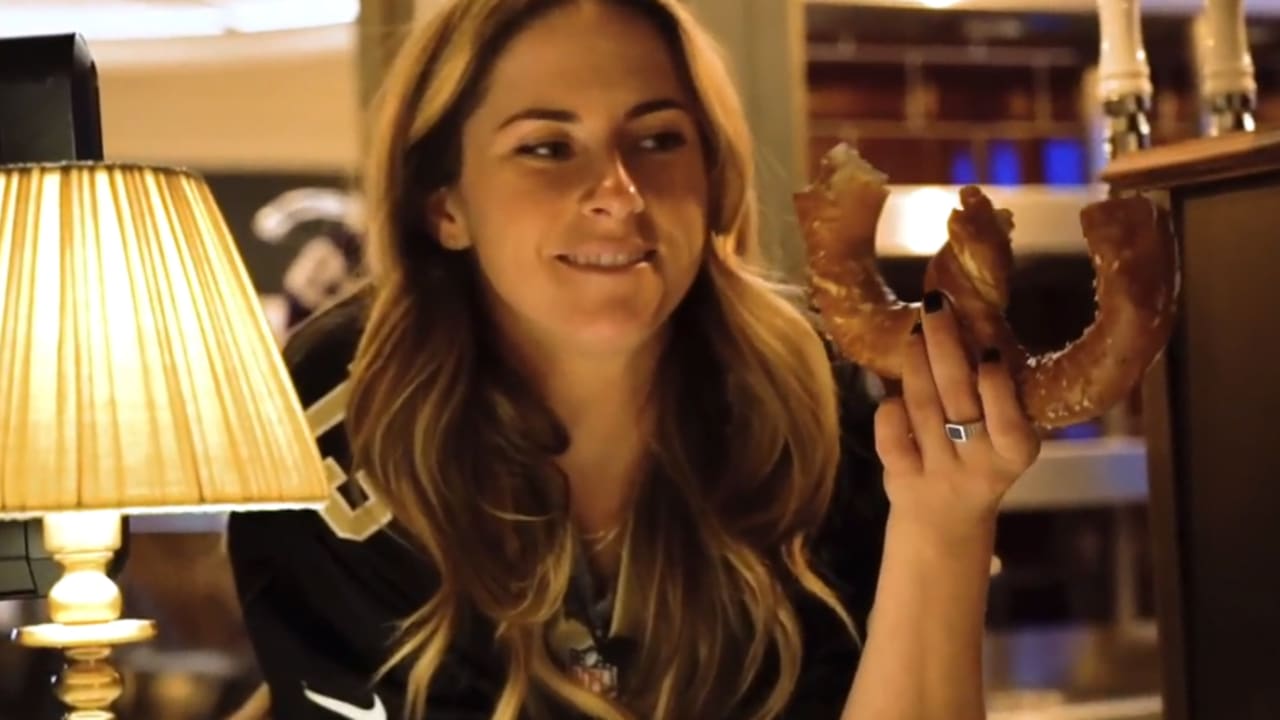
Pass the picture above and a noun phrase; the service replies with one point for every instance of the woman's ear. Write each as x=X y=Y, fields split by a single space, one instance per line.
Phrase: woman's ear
x=446 y=220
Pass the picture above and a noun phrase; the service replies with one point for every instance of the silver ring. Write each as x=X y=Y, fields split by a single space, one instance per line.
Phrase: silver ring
x=964 y=432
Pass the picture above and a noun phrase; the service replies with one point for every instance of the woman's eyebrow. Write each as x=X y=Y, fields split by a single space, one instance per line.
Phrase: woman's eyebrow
x=568 y=116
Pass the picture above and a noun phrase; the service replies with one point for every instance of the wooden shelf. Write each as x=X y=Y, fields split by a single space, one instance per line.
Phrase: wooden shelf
x=1196 y=161
x=944 y=129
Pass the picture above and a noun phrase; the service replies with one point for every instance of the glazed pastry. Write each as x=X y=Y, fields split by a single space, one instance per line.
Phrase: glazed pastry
x=1130 y=243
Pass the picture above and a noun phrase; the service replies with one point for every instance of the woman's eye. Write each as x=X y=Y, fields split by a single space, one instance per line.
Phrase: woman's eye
x=551 y=150
x=659 y=142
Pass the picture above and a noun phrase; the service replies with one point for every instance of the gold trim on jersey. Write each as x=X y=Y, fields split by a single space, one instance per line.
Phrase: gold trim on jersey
x=347 y=522
x=324 y=414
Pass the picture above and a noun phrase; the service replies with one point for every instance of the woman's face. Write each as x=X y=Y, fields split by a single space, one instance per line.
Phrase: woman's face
x=583 y=190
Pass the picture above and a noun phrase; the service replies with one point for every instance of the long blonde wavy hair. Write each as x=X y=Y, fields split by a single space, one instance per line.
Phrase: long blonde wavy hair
x=744 y=457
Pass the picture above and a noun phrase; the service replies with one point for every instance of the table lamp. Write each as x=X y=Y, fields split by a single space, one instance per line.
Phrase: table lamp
x=137 y=375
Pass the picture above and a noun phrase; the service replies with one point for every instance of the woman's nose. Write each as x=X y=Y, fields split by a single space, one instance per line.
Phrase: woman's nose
x=615 y=195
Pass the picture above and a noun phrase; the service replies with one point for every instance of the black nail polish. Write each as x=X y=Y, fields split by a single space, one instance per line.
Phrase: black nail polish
x=991 y=355
x=917 y=328
x=933 y=301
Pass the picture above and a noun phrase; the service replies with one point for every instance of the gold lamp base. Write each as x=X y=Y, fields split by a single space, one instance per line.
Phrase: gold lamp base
x=56 y=635
x=85 y=606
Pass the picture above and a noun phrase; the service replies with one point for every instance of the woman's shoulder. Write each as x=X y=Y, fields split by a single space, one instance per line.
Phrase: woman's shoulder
x=322 y=591
x=851 y=539
x=322 y=613
x=347 y=542
x=319 y=351
x=858 y=394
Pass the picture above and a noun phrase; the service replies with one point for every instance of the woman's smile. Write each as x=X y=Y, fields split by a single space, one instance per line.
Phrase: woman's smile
x=609 y=262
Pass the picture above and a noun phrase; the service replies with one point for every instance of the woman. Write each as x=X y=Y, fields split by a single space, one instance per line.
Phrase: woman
x=603 y=468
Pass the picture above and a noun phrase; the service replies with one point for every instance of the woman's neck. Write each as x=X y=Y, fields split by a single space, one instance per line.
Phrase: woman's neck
x=607 y=411
x=605 y=403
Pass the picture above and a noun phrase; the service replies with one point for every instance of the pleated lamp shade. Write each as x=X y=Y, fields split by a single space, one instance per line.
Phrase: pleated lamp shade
x=137 y=371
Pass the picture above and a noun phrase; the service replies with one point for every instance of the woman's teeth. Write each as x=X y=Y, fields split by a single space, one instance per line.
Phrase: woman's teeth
x=612 y=260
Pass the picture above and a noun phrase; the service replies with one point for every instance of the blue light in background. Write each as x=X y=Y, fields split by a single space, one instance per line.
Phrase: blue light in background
x=963 y=171
x=1006 y=167
x=1080 y=431
x=1064 y=162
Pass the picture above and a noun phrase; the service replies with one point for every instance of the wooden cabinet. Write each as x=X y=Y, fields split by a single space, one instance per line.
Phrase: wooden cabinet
x=1212 y=402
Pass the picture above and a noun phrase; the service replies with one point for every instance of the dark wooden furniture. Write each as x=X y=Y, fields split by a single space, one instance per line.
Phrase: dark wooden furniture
x=1212 y=407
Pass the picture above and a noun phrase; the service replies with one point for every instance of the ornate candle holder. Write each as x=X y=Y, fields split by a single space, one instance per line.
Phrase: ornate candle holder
x=1124 y=77
x=1228 y=90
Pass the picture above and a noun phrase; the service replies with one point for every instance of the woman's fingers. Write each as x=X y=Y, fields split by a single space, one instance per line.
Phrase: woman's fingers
x=895 y=443
x=1013 y=438
x=940 y=385
x=933 y=473
x=949 y=361
x=923 y=407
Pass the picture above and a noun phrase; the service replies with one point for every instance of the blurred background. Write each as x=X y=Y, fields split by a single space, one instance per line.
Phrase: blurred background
x=267 y=99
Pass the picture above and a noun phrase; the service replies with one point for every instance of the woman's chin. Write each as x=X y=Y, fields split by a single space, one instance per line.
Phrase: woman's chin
x=613 y=334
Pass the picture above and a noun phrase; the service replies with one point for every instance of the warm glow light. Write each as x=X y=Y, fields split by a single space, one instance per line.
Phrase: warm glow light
x=136 y=370
x=276 y=15
x=133 y=20
x=921 y=227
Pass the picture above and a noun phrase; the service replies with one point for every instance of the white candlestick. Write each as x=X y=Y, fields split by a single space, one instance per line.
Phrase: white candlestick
x=1123 y=70
x=1124 y=76
x=1228 y=89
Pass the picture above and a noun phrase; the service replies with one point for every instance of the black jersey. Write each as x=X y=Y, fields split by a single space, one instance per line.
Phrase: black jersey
x=322 y=591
